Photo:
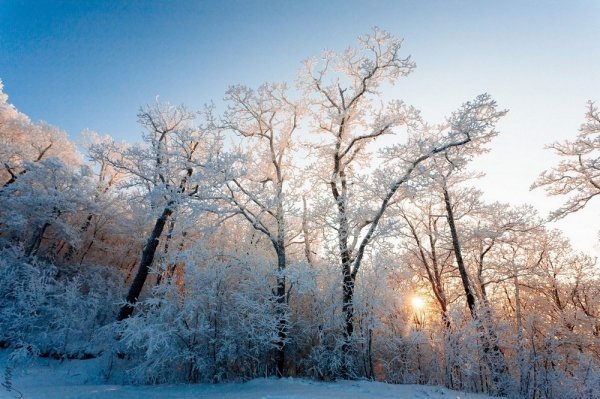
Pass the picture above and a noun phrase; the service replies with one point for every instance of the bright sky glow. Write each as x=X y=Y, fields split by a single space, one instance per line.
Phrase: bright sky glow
x=417 y=303
x=91 y=64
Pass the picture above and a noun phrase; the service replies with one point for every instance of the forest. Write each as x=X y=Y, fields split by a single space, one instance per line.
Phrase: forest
x=313 y=228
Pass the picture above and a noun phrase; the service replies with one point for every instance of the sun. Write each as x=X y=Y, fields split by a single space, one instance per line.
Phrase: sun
x=417 y=303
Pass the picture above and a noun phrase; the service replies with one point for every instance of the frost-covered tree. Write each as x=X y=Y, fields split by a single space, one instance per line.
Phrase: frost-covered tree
x=342 y=90
x=437 y=286
x=446 y=170
x=46 y=198
x=23 y=142
x=167 y=170
x=266 y=119
x=218 y=323
x=578 y=173
x=345 y=113
x=107 y=207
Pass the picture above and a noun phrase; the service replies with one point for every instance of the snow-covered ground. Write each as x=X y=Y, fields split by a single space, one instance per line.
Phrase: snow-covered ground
x=50 y=379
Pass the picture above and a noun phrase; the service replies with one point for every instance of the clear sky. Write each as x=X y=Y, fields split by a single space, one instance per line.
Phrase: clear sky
x=91 y=64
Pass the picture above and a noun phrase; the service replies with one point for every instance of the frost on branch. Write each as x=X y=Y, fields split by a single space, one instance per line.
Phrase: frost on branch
x=577 y=175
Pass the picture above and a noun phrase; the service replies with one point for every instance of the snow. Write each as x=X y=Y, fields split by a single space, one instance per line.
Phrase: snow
x=73 y=379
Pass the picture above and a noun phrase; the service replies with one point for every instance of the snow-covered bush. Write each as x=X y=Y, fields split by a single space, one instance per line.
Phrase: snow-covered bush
x=49 y=311
x=215 y=320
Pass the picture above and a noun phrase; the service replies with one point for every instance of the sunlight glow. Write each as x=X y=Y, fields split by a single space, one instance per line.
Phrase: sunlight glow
x=417 y=303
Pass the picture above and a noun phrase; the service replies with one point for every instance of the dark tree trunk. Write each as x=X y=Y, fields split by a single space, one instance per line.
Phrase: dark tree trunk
x=348 y=283
x=281 y=310
x=145 y=263
x=36 y=240
x=491 y=349
x=348 y=310
x=458 y=254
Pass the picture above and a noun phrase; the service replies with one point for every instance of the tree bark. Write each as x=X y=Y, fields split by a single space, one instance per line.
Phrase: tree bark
x=281 y=310
x=458 y=254
x=145 y=263
x=348 y=309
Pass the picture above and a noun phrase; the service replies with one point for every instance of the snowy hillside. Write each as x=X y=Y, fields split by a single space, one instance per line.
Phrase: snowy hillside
x=51 y=379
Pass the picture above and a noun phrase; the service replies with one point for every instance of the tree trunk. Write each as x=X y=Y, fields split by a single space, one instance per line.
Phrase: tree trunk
x=348 y=307
x=36 y=240
x=521 y=361
x=145 y=263
x=458 y=254
x=307 y=250
x=348 y=310
x=348 y=281
x=281 y=310
x=86 y=252
x=493 y=354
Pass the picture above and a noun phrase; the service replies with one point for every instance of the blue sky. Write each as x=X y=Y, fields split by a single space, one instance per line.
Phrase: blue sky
x=91 y=64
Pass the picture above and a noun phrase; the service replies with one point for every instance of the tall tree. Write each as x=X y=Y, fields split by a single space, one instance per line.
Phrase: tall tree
x=168 y=169
x=343 y=91
x=446 y=169
x=267 y=119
